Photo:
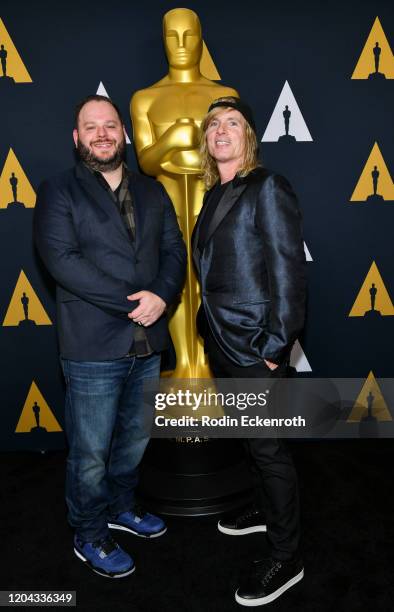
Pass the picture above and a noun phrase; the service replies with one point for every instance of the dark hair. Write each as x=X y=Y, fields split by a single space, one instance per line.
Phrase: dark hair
x=95 y=98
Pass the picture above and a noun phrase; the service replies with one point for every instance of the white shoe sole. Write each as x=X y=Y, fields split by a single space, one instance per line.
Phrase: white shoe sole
x=140 y=535
x=261 y=601
x=245 y=531
x=97 y=571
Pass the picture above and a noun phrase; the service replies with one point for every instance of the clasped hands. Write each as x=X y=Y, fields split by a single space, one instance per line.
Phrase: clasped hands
x=149 y=309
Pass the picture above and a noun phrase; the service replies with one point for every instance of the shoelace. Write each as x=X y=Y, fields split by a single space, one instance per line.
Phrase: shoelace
x=276 y=565
x=139 y=511
x=108 y=545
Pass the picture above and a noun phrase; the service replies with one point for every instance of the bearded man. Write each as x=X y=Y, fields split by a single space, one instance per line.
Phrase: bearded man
x=110 y=239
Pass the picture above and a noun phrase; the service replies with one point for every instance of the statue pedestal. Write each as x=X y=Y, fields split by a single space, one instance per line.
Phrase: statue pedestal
x=376 y=76
x=287 y=138
x=15 y=204
x=373 y=314
x=195 y=476
x=375 y=199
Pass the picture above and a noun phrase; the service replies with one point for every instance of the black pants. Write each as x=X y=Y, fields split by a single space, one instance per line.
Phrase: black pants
x=271 y=465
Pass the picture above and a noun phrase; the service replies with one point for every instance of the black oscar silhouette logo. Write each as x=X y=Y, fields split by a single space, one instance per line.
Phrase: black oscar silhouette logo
x=3 y=60
x=369 y=414
x=13 y=180
x=373 y=312
x=375 y=197
x=36 y=410
x=377 y=76
x=4 y=77
x=25 y=305
x=368 y=427
x=286 y=137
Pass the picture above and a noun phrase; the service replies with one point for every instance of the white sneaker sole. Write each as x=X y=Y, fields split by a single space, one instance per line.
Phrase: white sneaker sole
x=261 y=601
x=245 y=531
x=97 y=571
x=140 y=535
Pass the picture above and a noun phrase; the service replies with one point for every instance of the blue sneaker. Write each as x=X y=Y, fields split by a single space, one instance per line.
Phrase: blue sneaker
x=104 y=557
x=139 y=522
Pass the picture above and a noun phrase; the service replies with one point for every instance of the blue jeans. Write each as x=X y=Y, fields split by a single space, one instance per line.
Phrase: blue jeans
x=108 y=427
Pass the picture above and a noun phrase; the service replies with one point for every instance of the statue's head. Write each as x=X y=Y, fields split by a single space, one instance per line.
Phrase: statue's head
x=182 y=38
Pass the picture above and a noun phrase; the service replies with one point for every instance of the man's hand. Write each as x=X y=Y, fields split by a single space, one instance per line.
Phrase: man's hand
x=150 y=308
x=270 y=364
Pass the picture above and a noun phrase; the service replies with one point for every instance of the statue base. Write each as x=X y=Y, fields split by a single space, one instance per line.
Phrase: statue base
x=27 y=323
x=15 y=204
x=373 y=314
x=375 y=199
x=6 y=81
x=287 y=138
x=376 y=76
x=38 y=429
x=195 y=476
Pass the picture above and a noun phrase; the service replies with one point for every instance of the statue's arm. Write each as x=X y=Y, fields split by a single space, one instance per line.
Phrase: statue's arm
x=153 y=152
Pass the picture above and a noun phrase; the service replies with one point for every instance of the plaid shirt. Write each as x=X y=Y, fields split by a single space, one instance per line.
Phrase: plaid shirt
x=123 y=200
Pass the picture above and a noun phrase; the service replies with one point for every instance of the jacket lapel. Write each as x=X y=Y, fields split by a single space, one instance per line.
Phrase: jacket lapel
x=101 y=198
x=228 y=200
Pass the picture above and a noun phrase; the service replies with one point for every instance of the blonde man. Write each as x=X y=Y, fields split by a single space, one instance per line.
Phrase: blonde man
x=248 y=251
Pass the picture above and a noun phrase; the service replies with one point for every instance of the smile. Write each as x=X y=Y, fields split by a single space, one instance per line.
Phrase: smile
x=103 y=145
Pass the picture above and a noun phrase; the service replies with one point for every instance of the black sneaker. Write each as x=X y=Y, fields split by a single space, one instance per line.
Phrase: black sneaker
x=250 y=520
x=268 y=580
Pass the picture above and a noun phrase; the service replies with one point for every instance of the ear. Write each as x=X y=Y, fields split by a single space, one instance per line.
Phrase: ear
x=75 y=137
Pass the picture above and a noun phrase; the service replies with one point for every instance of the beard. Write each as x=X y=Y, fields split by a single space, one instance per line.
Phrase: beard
x=102 y=165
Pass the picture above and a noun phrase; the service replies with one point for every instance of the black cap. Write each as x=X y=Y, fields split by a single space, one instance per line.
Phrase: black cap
x=238 y=105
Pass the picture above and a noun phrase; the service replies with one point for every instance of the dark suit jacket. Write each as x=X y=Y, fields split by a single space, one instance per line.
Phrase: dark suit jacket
x=85 y=245
x=252 y=269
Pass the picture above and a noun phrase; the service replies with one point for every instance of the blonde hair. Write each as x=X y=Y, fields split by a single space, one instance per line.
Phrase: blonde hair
x=209 y=169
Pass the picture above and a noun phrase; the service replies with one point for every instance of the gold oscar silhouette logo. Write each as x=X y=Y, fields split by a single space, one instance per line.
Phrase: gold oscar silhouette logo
x=25 y=308
x=12 y=68
x=373 y=300
x=375 y=184
x=207 y=66
x=370 y=404
x=16 y=191
x=376 y=61
x=36 y=416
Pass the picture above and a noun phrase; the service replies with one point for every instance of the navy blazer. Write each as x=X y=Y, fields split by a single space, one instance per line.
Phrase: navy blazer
x=84 y=244
x=252 y=269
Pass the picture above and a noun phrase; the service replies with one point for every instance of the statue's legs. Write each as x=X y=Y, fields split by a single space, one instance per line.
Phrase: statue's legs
x=186 y=192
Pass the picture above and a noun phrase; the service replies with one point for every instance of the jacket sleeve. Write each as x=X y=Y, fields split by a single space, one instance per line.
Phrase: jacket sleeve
x=169 y=280
x=279 y=219
x=58 y=246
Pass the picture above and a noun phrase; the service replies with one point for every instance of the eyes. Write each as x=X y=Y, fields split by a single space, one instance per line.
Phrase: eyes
x=91 y=127
x=229 y=123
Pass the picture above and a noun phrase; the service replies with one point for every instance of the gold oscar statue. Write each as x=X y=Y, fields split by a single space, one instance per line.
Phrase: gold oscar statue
x=166 y=120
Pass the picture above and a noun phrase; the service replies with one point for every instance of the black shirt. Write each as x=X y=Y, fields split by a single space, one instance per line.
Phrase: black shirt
x=211 y=205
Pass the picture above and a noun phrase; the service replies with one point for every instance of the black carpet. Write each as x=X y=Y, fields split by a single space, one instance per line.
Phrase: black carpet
x=347 y=499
